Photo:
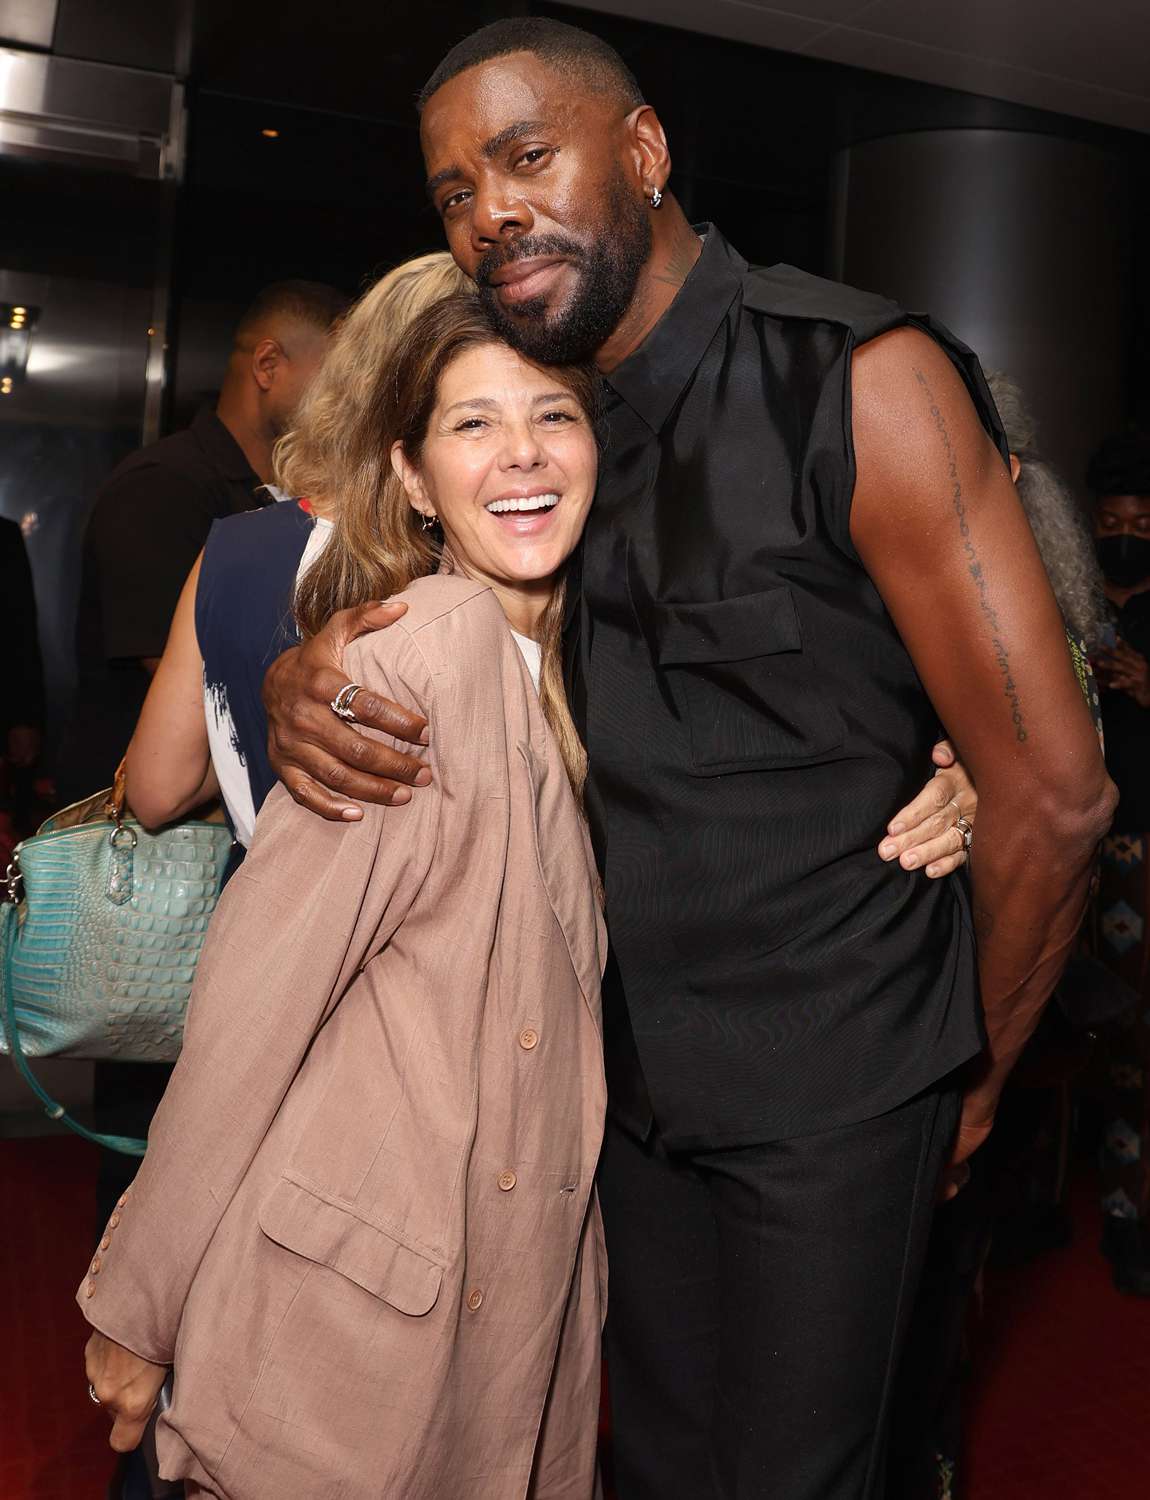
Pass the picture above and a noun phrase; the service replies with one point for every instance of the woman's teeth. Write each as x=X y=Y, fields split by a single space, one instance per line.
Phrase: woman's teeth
x=534 y=502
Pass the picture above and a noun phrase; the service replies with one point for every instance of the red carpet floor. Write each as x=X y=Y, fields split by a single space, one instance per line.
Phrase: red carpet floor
x=55 y=1443
x=1058 y=1405
x=1060 y=1398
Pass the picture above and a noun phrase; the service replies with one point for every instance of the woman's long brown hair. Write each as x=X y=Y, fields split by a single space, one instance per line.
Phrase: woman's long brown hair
x=378 y=546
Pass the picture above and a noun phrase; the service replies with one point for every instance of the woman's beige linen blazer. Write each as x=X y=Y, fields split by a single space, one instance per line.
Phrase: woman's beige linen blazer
x=365 y=1231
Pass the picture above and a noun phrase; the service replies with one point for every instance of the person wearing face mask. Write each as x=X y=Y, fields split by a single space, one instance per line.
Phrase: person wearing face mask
x=1119 y=475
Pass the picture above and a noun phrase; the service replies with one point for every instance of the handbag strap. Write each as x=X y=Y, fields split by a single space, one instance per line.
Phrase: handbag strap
x=126 y=1145
x=118 y=796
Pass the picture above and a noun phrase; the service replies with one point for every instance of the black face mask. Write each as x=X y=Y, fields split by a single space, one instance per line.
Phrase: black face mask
x=1124 y=559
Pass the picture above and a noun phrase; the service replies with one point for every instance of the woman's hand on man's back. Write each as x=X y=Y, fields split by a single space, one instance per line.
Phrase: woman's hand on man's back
x=925 y=833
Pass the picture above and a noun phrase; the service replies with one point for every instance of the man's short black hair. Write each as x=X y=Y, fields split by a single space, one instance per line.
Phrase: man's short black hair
x=309 y=302
x=1121 y=466
x=591 y=59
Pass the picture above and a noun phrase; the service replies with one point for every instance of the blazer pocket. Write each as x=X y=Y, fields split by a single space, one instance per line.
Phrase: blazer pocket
x=299 y=1219
x=739 y=677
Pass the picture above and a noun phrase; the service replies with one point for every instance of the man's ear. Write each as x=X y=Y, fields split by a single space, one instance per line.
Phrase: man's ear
x=412 y=481
x=648 y=143
x=266 y=359
x=1015 y=467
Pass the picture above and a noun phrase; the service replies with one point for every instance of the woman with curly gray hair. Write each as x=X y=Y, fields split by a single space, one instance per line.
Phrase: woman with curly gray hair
x=1061 y=527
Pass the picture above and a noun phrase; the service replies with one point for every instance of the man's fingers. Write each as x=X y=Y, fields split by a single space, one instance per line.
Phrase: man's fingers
x=344 y=760
x=392 y=718
x=331 y=788
x=318 y=799
x=305 y=715
x=349 y=624
x=368 y=617
x=360 y=760
x=952 y=1182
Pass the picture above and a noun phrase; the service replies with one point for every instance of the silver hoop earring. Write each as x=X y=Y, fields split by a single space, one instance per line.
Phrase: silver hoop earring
x=656 y=197
x=429 y=521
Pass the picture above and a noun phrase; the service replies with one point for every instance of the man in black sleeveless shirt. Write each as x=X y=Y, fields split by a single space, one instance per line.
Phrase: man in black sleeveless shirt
x=805 y=553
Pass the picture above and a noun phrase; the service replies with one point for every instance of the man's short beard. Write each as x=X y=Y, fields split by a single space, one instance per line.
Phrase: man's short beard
x=608 y=273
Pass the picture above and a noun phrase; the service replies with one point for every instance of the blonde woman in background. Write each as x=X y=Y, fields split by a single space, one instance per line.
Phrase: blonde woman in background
x=202 y=733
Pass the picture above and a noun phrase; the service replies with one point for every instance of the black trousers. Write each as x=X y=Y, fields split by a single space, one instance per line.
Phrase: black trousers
x=758 y=1301
x=125 y=1097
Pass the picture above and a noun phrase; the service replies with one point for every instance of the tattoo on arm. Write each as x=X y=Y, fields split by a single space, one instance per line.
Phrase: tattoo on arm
x=974 y=566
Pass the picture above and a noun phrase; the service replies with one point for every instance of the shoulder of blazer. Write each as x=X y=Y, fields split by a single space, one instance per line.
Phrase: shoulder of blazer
x=429 y=600
x=454 y=627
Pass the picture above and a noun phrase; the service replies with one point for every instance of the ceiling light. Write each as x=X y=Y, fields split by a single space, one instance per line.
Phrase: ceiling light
x=16 y=326
x=270 y=135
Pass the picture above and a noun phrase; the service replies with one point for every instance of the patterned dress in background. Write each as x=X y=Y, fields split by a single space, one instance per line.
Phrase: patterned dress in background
x=1123 y=940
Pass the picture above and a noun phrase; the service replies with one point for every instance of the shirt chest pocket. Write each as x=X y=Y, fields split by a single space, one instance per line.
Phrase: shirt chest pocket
x=737 y=675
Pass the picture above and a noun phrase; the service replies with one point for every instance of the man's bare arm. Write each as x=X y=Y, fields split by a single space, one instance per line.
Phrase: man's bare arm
x=323 y=762
x=940 y=529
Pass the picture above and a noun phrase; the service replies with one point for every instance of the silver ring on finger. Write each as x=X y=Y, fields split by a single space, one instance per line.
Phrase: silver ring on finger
x=340 y=705
x=92 y=1394
x=965 y=830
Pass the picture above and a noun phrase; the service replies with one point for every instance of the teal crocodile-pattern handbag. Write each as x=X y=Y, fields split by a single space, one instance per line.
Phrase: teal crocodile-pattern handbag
x=100 y=950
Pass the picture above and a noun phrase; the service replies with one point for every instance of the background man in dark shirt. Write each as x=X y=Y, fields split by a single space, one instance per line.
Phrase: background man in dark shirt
x=152 y=516
x=765 y=605
x=1119 y=475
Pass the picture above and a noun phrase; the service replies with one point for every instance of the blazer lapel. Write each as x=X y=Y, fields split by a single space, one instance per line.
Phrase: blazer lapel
x=567 y=866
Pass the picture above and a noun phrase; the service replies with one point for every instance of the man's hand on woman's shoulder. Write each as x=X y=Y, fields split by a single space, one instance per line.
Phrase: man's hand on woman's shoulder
x=322 y=761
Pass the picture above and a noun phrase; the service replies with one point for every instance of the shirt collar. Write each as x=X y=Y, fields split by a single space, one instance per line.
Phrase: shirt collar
x=652 y=379
x=223 y=452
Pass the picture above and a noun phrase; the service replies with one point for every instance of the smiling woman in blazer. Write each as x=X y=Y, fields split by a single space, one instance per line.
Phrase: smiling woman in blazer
x=365 y=1233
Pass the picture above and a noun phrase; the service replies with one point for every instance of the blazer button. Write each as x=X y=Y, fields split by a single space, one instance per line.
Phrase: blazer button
x=121 y=1200
x=114 y=1221
x=507 y=1181
x=528 y=1039
x=474 y=1301
x=105 y=1242
x=96 y=1266
x=90 y=1288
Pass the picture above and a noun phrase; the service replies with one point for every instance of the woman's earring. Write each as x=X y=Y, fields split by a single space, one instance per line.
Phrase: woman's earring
x=656 y=197
x=429 y=520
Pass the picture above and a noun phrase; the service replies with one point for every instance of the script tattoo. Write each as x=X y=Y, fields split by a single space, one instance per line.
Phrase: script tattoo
x=678 y=264
x=974 y=566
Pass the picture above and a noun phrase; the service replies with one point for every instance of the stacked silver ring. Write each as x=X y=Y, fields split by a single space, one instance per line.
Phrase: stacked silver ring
x=966 y=832
x=340 y=705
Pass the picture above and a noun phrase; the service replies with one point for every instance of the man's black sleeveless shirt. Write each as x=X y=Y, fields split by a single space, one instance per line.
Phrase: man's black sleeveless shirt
x=753 y=721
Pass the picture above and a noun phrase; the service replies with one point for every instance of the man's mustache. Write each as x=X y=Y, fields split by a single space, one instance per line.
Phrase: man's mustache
x=524 y=248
